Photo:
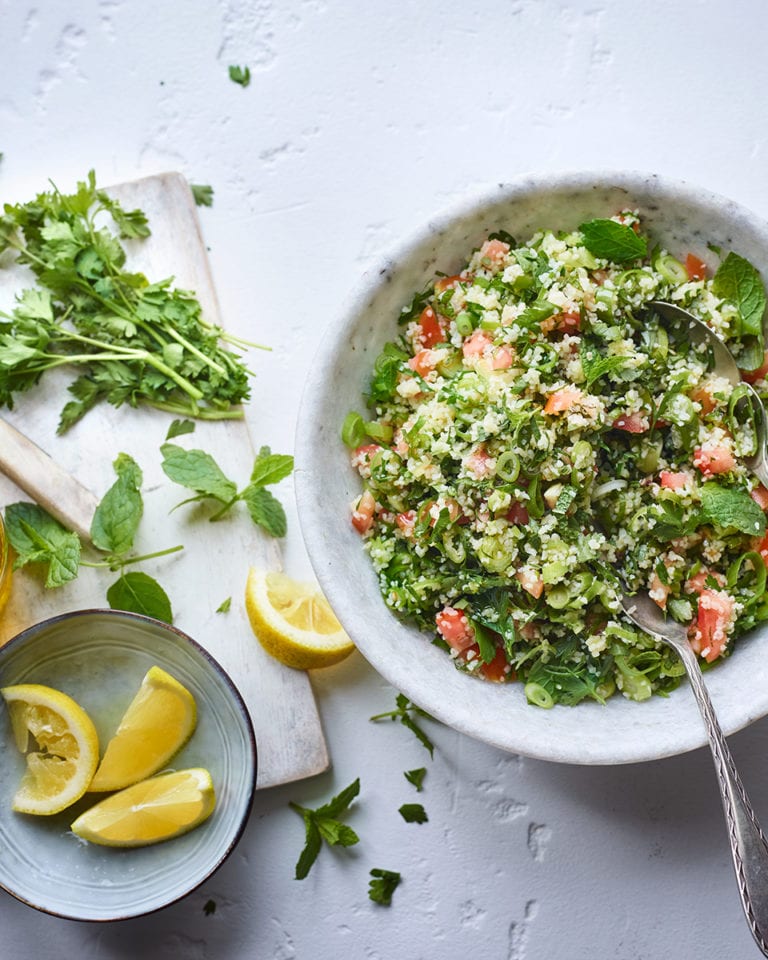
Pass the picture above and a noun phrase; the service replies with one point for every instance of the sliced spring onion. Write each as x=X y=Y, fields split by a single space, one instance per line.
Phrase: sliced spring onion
x=538 y=696
x=610 y=486
x=353 y=430
x=508 y=466
x=671 y=269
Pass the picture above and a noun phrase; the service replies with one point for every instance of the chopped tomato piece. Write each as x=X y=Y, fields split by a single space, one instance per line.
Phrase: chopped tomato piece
x=503 y=358
x=562 y=400
x=476 y=344
x=713 y=623
x=698 y=582
x=455 y=629
x=479 y=463
x=424 y=362
x=631 y=423
x=712 y=459
x=518 y=514
x=760 y=496
x=361 y=458
x=362 y=515
x=569 y=322
x=752 y=376
x=702 y=396
x=449 y=283
x=659 y=591
x=431 y=329
x=405 y=521
x=673 y=481
x=498 y=669
x=530 y=582
x=494 y=251
x=399 y=443
x=695 y=267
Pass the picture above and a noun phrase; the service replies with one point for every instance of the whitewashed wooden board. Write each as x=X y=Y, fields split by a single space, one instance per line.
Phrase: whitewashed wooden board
x=216 y=556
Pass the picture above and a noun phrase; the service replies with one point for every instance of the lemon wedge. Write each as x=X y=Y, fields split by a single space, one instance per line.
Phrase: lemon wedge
x=294 y=622
x=150 y=811
x=158 y=722
x=60 y=769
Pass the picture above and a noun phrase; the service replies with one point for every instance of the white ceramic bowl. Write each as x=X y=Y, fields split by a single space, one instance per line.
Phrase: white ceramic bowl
x=681 y=217
x=99 y=657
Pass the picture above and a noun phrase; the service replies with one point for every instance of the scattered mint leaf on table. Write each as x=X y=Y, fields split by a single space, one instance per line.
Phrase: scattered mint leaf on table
x=198 y=471
x=37 y=538
x=209 y=907
x=224 y=606
x=137 y=592
x=382 y=885
x=324 y=824
x=614 y=241
x=240 y=75
x=117 y=516
x=730 y=508
x=416 y=777
x=404 y=712
x=413 y=813
x=180 y=427
x=202 y=193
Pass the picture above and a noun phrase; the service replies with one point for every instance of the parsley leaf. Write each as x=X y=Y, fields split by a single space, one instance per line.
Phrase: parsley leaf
x=416 y=777
x=413 y=813
x=241 y=75
x=202 y=193
x=323 y=824
x=383 y=885
x=403 y=712
x=137 y=592
x=732 y=509
x=613 y=241
x=37 y=538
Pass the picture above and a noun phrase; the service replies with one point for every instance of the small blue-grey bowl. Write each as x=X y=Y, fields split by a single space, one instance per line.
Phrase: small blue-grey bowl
x=99 y=658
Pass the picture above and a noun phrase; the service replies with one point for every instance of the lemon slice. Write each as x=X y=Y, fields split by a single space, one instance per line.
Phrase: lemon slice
x=150 y=811
x=59 y=771
x=294 y=622
x=158 y=722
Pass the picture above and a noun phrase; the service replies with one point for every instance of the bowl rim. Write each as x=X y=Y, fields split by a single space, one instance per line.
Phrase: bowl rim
x=40 y=627
x=333 y=339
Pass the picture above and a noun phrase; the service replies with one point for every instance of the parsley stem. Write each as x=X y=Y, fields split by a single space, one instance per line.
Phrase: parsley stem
x=198 y=353
x=192 y=410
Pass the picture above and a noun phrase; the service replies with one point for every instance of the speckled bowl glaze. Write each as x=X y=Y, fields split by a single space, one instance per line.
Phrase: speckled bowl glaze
x=680 y=216
x=99 y=657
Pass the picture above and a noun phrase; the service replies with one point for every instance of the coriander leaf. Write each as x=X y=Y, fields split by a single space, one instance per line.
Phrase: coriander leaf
x=202 y=193
x=241 y=75
x=383 y=885
x=179 y=427
x=209 y=907
x=739 y=282
x=312 y=844
x=117 y=516
x=266 y=511
x=613 y=241
x=139 y=593
x=198 y=471
x=269 y=468
x=224 y=606
x=413 y=813
x=416 y=777
x=732 y=508
x=37 y=538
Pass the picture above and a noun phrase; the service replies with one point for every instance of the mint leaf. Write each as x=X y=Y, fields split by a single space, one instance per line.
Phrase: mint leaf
x=139 y=593
x=270 y=467
x=241 y=75
x=403 y=713
x=224 y=606
x=322 y=824
x=416 y=777
x=383 y=885
x=613 y=241
x=117 y=516
x=413 y=813
x=37 y=538
x=198 y=471
x=209 y=907
x=732 y=508
x=595 y=365
x=202 y=194
x=179 y=427
x=265 y=510
x=739 y=282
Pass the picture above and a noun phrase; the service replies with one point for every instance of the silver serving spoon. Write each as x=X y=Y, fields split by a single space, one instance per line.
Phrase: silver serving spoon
x=749 y=847
x=725 y=366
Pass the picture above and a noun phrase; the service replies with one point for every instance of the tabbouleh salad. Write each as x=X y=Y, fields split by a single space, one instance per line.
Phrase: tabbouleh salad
x=537 y=430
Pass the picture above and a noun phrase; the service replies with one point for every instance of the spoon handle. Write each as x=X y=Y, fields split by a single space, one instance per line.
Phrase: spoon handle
x=759 y=464
x=749 y=847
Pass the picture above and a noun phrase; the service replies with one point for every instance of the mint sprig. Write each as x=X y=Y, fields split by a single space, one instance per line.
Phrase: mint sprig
x=324 y=824
x=404 y=712
x=613 y=241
